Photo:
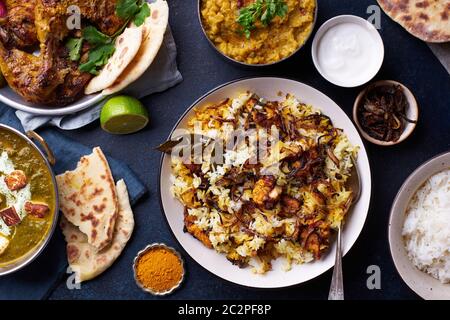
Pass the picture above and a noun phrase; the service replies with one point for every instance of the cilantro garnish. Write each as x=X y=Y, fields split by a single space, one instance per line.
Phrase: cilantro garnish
x=135 y=10
x=74 y=46
x=263 y=10
x=102 y=45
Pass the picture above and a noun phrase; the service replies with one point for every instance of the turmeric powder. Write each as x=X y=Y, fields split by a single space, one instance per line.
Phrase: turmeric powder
x=159 y=270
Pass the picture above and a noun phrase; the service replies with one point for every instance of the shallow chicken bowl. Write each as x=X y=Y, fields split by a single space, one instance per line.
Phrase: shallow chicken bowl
x=412 y=113
x=48 y=159
x=145 y=250
x=423 y=284
x=12 y=99
x=268 y=88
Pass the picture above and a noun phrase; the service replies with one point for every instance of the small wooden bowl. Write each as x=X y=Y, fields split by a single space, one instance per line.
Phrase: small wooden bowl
x=412 y=113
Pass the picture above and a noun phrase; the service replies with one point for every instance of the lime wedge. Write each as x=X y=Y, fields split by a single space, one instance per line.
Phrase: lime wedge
x=123 y=115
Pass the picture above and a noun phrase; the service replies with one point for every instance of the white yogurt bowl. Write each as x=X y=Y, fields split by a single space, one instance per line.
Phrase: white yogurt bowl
x=348 y=51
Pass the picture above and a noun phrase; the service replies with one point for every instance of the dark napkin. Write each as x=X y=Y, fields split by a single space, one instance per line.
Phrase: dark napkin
x=38 y=279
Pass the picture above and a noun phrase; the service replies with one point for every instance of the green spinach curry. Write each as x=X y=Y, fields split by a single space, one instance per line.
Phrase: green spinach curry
x=27 y=198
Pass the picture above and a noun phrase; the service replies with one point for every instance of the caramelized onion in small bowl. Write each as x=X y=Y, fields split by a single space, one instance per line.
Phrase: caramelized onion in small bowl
x=385 y=113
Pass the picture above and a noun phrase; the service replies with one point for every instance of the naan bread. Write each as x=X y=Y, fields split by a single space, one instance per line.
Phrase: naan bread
x=84 y=259
x=155 y=27
x=88 y=198
x=426 y=19
x=127 y=45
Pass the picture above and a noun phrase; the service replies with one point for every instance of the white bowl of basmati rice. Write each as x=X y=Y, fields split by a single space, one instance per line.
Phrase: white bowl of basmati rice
x=419 y=229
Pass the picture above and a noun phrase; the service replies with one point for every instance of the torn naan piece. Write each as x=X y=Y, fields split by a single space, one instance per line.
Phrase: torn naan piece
x=88 y=198
x=84 y=259
x=154 y=29
x=126 y=45
x=428 y=20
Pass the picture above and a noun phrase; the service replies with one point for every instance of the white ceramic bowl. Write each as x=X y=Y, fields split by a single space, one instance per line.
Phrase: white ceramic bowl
x=423 y=284
x=216 y=263
x=378 y=49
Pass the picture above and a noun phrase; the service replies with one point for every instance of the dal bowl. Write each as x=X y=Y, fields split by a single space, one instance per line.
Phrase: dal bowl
x=267 y=45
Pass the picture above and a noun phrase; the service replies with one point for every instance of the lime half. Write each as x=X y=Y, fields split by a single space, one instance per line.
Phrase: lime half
x=123 y=115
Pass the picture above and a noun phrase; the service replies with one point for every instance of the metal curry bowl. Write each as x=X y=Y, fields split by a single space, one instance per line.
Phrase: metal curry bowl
x=48 y=160
x=249 y=65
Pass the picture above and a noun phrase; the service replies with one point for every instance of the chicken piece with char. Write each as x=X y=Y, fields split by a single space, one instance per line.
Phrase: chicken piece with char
x=52 y=16
x=17 y=29
x=50 y=78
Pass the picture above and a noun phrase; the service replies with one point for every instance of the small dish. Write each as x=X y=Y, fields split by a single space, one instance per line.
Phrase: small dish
x=344 y=43
x=423 y=284
x=412 y=113
x=152 y=247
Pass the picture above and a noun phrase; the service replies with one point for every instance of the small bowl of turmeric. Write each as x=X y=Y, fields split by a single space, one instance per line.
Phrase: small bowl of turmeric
x=159 y=269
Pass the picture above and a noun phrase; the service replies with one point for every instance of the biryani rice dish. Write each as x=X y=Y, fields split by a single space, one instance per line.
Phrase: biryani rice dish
x=267 y=44
x=427 y=227
x=285 y=203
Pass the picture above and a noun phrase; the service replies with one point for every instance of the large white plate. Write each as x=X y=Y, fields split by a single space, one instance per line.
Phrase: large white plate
x=277 y=278
x=423 y=284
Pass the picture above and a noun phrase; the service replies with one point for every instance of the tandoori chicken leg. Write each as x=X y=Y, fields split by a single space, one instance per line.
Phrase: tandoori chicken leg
x=18 y=30
x=49 y=78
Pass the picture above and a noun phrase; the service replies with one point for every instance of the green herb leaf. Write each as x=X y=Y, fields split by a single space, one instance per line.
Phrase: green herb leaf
x=126 y=9
x=74 y=46
x=97 y=58
x=143 y=13
x=95 y=37
x=103 y=45
x=263 y=10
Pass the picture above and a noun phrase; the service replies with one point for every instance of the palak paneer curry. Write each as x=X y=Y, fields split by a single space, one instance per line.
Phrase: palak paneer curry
x=27 y=197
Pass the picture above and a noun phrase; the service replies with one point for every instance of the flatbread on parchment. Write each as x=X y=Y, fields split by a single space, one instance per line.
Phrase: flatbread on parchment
x=428 y=20
x=88 y=198
x=127 y=45
x=84 y=259
x=154 y=28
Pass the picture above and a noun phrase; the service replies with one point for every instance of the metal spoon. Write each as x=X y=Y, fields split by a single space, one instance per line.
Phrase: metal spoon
x=337 y=282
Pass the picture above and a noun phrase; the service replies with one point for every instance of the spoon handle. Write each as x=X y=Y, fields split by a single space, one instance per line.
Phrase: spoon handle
x=337 y=282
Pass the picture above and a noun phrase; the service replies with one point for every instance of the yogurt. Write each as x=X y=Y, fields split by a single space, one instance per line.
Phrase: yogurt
x=348 y=53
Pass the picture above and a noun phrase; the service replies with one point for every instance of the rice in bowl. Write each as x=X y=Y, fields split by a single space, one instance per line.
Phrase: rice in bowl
x=426 y=230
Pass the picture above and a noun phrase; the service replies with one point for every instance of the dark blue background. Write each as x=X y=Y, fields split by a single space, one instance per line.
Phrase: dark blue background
x=408 y=60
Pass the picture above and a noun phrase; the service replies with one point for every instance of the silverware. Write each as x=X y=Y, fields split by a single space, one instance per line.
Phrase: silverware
x=337 y=281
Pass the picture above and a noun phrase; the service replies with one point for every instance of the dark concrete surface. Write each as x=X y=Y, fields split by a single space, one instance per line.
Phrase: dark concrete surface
x=407 y=60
